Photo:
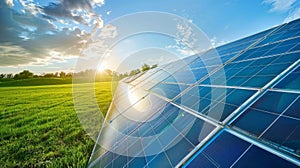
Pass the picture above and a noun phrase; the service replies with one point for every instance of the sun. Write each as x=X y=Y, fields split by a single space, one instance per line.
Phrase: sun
x=101 y=68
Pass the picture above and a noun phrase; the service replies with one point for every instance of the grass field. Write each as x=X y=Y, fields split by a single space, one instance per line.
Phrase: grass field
x=36 y=82
x=40 y=128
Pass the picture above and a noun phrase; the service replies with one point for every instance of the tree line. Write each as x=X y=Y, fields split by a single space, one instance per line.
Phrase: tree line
x=26 y=74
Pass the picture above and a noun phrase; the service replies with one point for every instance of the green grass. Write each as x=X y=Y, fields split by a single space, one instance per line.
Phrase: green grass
x=36 y=82
x=40 y=128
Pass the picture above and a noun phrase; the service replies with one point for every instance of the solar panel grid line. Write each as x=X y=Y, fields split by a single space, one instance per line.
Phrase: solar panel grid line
x=236 y=161
x=134 y=77
x=284 y=90
x=198 y=115
x=139 y=125
x=143 y=147
x=185 y=63
x=274 y=48
x=102 y=129
x=227 y=62
x=92 y=163
x=141 y=78
x=256 y=74
x=263 y=146
x=175 y=83
x=190 y=111
x=201 y=149
x=286 y=28
x=206 y=66
x=201 y=144
x=265 y=111
x=143 y=84
x=216 y=102
x=176 y=72
x=290 y=72
x=178 y=135
x=165 y=66
x=153 y=158
x=215 y=163
x=116 y=158
x=263 y=141
x=279 y=61
x=234 y=115
x=167 y=77
x=279 y=115
x=174 y=138
x=229 y=87
x=126 y=109
x=146 y=132
x=276 y=42
x=144 y=150
x=282 y=75
x=282 y=113
x=262 y=57
x=160 y=96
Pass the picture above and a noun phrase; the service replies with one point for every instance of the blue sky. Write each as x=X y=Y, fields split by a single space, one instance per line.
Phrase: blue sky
x=48 y=36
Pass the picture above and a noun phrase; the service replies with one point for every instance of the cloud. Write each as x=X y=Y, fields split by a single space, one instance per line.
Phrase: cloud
x=108 y=31
x=292 y=7
x=36 y=35
x=215 y=43
x=293 y=15
x=78 y=10
x=9 y=3
x=280 y=5
x=189 y=41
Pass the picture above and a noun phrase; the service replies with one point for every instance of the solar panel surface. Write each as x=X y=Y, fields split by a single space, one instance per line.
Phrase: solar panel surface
x=241 y=110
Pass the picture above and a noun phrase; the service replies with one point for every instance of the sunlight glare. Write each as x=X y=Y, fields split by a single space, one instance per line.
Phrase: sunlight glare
x=101 y=68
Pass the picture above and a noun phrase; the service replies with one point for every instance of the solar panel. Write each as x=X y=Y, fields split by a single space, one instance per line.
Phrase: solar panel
x=240 y=110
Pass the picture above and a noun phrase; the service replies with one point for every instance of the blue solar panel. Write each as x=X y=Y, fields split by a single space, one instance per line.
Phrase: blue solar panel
x=277 y=120
x=228 y=150
x=291 y=81
x=236 y=105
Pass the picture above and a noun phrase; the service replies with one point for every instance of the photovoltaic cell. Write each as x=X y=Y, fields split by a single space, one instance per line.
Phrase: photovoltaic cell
x=276 y=119
x=216 y=103
x=291 y=82
x=230 y=151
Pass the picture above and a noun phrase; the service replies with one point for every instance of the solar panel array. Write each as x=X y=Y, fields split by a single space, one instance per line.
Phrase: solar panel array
x=237 y=105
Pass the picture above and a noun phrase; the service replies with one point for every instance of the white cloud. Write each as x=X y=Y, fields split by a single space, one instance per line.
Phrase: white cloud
x=280 y=5
x=295 y=14
x=186 y=43
x=108 y=31
x=9 y=3
x=215 y=43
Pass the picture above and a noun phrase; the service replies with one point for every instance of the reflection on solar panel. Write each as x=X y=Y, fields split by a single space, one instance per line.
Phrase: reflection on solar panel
x=240 y=110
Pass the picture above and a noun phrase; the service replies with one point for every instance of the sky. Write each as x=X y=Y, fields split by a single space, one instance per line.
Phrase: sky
x=53 y=35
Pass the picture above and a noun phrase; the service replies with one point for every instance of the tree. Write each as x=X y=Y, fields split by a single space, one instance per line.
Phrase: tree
x=154 y=66
x=134 y=72
x=70 y=74
x=108 y=72
x=2 y=76
x=48 y=75
x=145 y=67
x=56 y=74
x=62 y=74
x=24 y=75
x=9 y=76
